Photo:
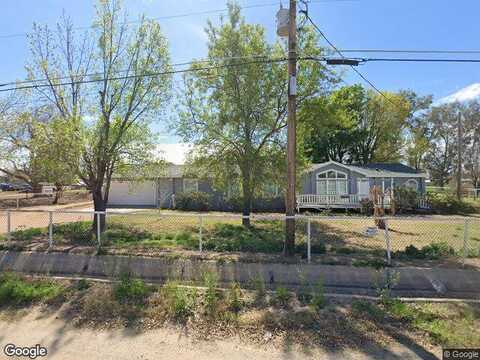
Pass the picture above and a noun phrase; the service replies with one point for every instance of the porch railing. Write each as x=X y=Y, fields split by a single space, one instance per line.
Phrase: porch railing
x=307 y=200
x=313 y=199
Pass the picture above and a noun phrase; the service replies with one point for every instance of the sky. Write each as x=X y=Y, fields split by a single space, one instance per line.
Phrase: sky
x=349 y=24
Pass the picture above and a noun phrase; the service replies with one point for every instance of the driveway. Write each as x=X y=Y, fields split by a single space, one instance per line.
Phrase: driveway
x=23 y=220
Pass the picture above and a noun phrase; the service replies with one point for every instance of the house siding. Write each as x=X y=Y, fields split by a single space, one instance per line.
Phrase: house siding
x=309 y=180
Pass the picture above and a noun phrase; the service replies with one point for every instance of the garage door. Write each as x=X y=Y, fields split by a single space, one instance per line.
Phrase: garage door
x=132 y=194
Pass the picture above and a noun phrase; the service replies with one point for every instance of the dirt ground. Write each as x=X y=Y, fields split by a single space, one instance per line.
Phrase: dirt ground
x=23 y=220
x=65 y=342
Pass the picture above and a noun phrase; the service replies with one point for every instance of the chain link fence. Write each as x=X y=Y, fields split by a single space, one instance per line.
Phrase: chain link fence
x=334 y=238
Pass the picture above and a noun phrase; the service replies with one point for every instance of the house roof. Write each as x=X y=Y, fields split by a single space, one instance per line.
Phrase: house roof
x=376 y=169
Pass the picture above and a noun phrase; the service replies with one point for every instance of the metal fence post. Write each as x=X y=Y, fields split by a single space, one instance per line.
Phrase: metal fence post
x=465 y=240
x=50 y=228
x=387 y=241
x=200 y=245
x=18 y=203
x=98 y=230
x=309 y=248
x=9 y=226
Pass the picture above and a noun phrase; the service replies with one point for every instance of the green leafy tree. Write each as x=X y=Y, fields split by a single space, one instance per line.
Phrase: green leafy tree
x=110 y=117
x=57 y=150
x=331 y=122
x=418 y=129
x=18 y=134
x=355 y=125
x=381 y=128
x=235 y=112
x=440 y=159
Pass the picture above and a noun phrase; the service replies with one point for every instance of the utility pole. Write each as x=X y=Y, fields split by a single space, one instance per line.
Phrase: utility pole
x=289 y=249
x=459 y=156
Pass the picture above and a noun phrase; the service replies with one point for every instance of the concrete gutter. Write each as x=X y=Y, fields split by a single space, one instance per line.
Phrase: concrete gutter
x=412 y=282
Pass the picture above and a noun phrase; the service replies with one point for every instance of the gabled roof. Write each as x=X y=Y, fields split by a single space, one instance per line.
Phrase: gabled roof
x=376 y=170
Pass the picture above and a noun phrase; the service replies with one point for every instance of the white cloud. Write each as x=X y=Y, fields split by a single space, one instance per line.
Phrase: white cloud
x=174 y=153
x=468 y=93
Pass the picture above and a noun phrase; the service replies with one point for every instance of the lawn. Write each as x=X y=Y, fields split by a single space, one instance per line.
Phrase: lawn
x=222 y=232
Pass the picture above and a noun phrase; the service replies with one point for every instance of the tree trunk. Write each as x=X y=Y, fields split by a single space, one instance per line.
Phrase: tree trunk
x=99 y=204
x=58 y=193
x=247 y=198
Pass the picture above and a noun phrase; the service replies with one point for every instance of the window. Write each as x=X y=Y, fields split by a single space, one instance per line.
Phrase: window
x=190 y=185
x=332 y=182
x=412 y=184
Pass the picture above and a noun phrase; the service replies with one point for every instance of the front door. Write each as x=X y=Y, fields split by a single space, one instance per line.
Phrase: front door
x=363 y=188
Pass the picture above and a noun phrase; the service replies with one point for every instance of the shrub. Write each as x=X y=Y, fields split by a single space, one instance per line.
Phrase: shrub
x=27 y=234
x=432 y=251
x=130 y=289
x=79 y=231
x=193 y=201
x=446 y=203
x=315 y=248
x=406 y=199
x=15 y=290
x=366 y=207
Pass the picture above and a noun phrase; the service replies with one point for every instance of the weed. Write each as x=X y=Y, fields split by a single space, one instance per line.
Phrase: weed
x=235 y=303
x=282 y=296
x=264 y=238
x=317 y=300
x=130 y=289
x=400 y=310
x=99 y=303
x=180 y=301
x=15 y=290
x=345 y=250
x=82 y=284
x=361 y=307
x=375 y=263
x=259 y=285
x=384 y=290
x=27 y=234
x=210 y=297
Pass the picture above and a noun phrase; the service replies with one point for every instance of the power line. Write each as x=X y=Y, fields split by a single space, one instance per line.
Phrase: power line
x=35 y=86
x=421 y=60
x=399 y=51
x=176 y=16
x=343 y=57
x=66 y=77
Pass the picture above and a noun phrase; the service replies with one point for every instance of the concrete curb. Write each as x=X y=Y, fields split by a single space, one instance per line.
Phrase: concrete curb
x=412 y=282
